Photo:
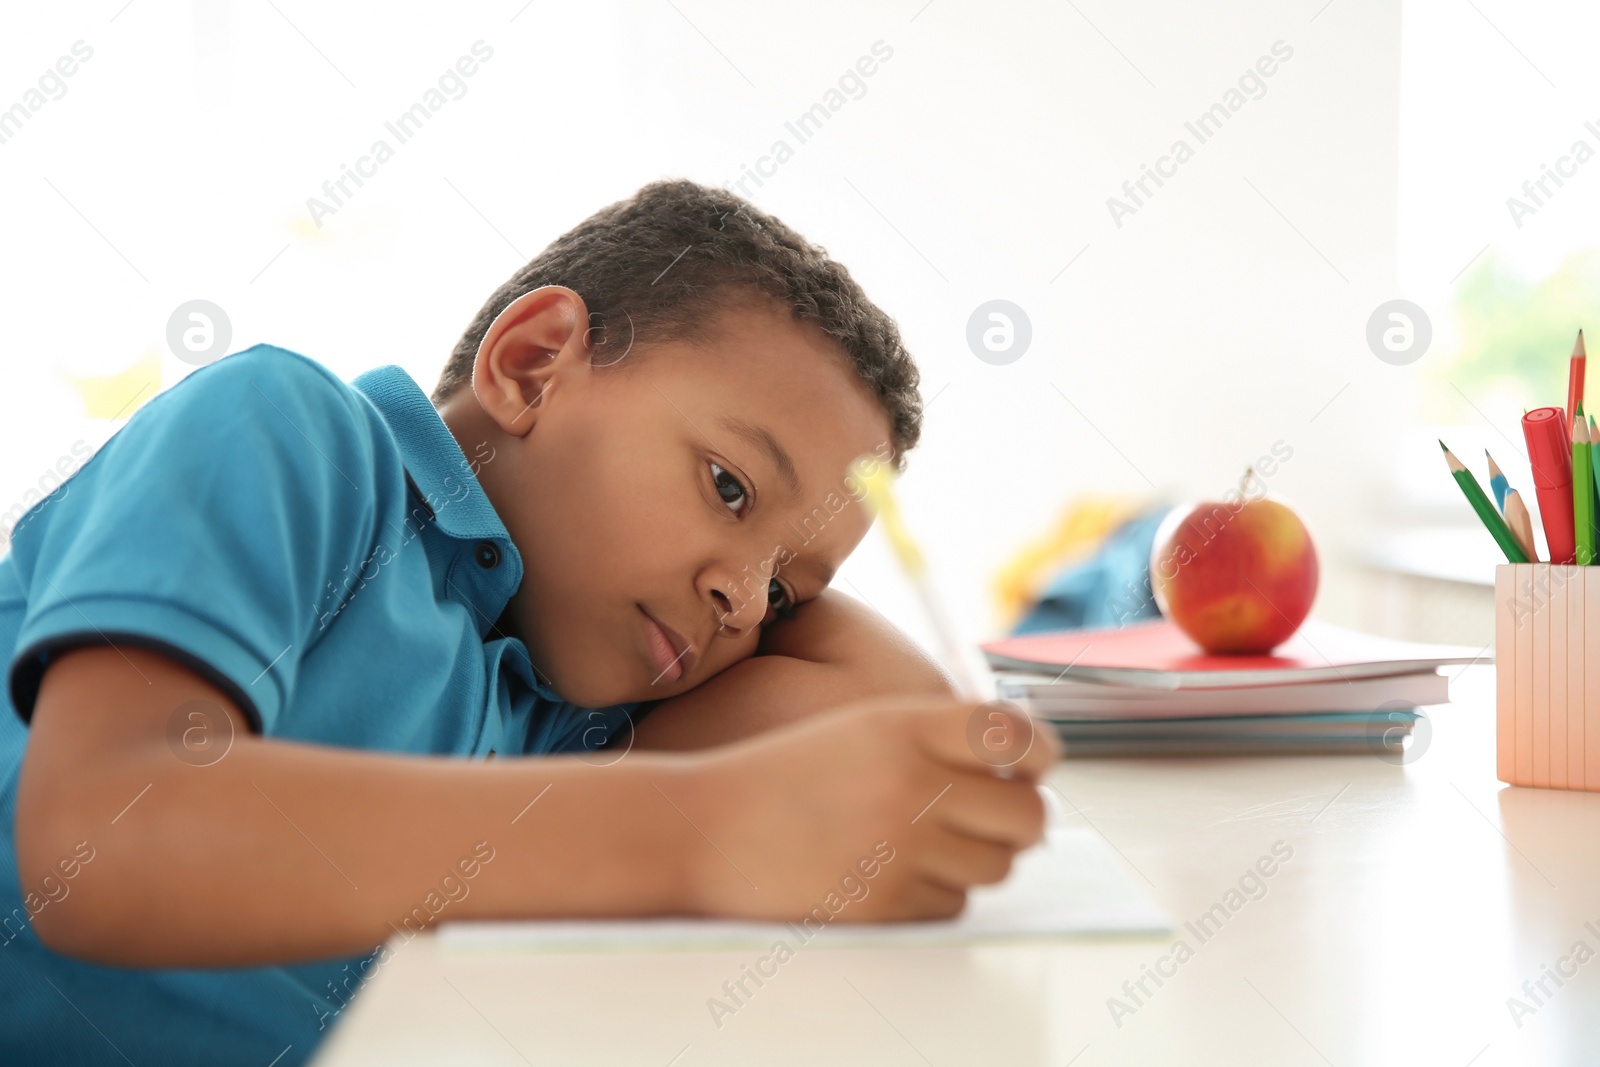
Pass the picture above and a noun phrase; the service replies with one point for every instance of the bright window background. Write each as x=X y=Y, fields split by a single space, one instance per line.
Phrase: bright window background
x=1486 y=107
x=1225 y=316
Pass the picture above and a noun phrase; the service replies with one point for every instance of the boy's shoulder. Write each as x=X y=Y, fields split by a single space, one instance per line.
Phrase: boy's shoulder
x=265 y=417
x=263 y=394
x=272 y=370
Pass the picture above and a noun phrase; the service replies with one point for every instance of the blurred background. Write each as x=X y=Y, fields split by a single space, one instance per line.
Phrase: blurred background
x=1177 y=333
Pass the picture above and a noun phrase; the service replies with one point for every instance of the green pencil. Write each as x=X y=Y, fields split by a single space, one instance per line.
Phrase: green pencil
x=1583 y=490
x=1486 y=512
x=1594 y=463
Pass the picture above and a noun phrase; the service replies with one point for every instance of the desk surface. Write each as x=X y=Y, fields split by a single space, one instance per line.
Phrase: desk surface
x=1417 y=901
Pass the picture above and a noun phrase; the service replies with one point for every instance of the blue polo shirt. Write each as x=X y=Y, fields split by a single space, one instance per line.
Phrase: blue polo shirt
x=324 y=554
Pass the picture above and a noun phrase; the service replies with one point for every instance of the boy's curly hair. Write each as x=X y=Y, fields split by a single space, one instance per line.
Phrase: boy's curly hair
x=673 y=256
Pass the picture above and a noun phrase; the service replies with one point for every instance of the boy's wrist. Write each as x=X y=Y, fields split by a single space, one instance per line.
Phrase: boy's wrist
x=668 y=846
x=686 y=790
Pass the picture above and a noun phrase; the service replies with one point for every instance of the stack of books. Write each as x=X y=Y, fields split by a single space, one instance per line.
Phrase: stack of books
x=1147 y=690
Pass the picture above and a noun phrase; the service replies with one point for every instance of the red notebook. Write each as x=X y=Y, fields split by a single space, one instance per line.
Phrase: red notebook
x=1158 y=655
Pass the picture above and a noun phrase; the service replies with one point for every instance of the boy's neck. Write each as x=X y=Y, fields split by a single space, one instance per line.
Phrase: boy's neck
x=467 y=423
x=471 y=428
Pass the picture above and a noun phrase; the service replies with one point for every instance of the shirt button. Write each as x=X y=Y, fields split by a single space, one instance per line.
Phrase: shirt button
x=487 y=555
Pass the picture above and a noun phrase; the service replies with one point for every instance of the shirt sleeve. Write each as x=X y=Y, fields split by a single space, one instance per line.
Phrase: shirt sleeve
x=566 y=727
x=209 y=528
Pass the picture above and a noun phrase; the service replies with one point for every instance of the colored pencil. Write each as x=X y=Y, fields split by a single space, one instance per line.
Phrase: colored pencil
x=877 y=481
x=1594 y=466
x=1521 y=524
x=1486 y=513
x=1497 y=482
x=1582 y=492
x=1575 y=368
x=877 y=484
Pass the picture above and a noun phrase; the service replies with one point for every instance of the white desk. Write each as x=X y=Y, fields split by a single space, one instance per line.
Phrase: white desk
x=1417 y=901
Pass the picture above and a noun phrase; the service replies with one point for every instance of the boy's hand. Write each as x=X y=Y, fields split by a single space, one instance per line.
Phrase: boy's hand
x=894 y=806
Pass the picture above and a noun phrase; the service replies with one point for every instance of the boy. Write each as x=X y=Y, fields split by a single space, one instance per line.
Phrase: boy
x=253 y=647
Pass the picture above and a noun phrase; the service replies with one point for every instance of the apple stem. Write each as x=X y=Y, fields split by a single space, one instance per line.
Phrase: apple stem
x=1244 y=483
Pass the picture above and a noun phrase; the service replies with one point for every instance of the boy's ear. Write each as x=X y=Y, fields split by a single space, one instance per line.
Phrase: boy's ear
x=515 y=369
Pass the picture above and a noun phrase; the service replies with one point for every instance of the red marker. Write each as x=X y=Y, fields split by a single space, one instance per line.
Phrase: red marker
x=1550 y=452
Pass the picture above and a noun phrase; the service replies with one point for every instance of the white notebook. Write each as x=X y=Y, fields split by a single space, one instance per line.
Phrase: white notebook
x=1051 y=699
x=1070 y=884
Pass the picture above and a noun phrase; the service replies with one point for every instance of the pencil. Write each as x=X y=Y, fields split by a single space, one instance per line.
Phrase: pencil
x=1486 y=512
x=1497 y=482
x=1575 y=368
x=875 y=481
x=1517 y=518
x=1594 y=467
x=1582 y=491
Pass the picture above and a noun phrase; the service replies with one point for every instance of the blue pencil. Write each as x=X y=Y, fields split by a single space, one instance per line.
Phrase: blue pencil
x=1497 y=483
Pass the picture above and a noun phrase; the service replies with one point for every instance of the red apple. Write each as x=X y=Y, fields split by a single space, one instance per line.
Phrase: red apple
x=1237 y=576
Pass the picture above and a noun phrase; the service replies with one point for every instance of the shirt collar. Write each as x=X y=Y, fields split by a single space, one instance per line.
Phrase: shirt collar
x=438 y=468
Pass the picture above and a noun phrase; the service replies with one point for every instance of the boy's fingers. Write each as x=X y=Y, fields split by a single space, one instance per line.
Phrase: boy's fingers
x=996 y=736
x=918 y=899
x=927 y=900
x=1008 y=813
x=957 y=861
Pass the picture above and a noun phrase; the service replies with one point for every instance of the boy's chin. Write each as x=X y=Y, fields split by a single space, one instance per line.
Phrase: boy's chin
x=600 y=689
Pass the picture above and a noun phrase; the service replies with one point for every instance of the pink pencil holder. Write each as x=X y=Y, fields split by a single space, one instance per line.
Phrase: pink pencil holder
x=1547 y=668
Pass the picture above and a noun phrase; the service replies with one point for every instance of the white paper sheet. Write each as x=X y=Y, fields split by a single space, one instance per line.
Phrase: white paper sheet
x=1071 y=884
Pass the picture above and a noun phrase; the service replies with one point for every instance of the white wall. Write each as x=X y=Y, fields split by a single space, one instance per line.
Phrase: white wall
x=1226 y=314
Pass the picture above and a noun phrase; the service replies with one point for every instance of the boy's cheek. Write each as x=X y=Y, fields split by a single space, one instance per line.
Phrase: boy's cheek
x=724 y=658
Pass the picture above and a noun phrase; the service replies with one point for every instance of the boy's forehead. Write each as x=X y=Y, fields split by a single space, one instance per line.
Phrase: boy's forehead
x=796 y=356
x=754 y=327
x=782 y=390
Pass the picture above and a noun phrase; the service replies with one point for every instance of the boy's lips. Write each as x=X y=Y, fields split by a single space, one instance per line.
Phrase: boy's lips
x=671 y=655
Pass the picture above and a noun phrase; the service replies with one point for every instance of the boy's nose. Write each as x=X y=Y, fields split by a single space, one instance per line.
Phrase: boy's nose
x=739 y=608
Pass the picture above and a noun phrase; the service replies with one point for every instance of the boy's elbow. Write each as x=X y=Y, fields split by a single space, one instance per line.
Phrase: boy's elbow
x=861 y=645
x=74 y=933
x=911 y=675
x=62 y=920
x=56 y=928
x=58 y=864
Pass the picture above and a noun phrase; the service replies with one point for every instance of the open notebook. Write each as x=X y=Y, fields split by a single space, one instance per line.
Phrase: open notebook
x=1072 y=883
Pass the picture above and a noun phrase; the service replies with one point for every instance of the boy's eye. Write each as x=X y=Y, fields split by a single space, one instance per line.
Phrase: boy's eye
x=779 y=600
x=730 y=489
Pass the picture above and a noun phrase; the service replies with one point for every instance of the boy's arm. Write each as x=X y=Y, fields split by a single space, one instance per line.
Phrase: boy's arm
x=278 y=850
x=835 y=650
x=130 y=854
